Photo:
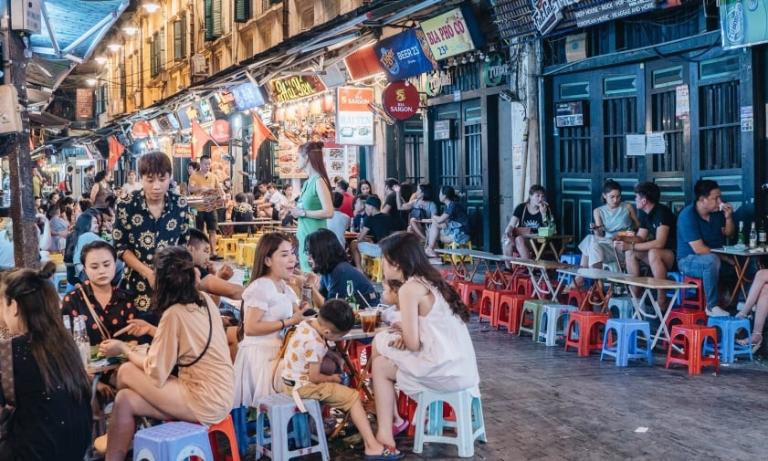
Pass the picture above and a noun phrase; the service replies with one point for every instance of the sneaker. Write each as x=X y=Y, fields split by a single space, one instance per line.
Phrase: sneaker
x=717 y=311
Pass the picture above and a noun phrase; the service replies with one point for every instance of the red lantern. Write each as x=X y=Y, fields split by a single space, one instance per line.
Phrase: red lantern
x=328 y=102
x=141 y=130
x=220 y=131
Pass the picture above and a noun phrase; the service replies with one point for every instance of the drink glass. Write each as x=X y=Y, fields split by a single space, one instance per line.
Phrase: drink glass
x=369 y=320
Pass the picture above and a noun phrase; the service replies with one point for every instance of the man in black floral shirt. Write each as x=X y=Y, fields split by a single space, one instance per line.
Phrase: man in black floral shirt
x=148 y=220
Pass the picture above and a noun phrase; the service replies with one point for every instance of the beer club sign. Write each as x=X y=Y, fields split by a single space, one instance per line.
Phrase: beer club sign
x=448 y=34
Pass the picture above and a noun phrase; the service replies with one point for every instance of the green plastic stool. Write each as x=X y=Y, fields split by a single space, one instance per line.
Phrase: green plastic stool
x=534 y=306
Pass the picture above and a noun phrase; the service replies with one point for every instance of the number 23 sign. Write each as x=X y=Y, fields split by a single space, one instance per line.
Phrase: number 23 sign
x=448 y=34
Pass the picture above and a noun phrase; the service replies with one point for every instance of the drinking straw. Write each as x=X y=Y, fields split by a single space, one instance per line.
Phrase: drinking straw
x=364 y=300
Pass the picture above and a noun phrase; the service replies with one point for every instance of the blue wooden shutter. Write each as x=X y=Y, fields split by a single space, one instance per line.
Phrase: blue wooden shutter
x=242 y=10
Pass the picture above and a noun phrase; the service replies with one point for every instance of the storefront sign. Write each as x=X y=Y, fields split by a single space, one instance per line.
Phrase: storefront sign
x=743 y=23
x=434 y=82
x=297 y=87
x=354 y=119
x=340 y=161
x=182 y=150
x=205 y=112
x=287 y=159
x=569 y=114
x=84 y=105
x=442 y=130
x=401 y=100
x=448 y=34
x=405 y=55
x=547 y=13
x=610 y=10
x=495 y=70
x=248 y=96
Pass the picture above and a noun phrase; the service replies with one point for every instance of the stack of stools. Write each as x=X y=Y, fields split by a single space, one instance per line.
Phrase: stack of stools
x=470 y=293
x=225 y=427
x=728 y=328
x=534 y=307
x=588 y=325
x=490 y=300
x=691 y=310
x=172 y=441
x=280 y=409
x=468 y=427
x=693 y=339
x=620 y=341
x=621 y=307
x=675 y=277
x=552 y=322
x=509 y=312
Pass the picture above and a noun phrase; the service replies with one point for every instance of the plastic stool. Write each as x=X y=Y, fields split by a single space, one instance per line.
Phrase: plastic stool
x=242 y=427
x=280 y=409
x=550 y=318
x=228 y=248
x=469 y=425
x=727 y=328
x=685 y=316
x=624 y=346
x=534 y=306
x=573 y=259
x=509 y=312
x=621 y=307
x=524 y=286
x=372 y=267
x=693 y=339
x=467 y=289
x=695 y=301
x=588 y=324
x=172 y=441
x=576 y=297
x=226 y=427
x=489 y=305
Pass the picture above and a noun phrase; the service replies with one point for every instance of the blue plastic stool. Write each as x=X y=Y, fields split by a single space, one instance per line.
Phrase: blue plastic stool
x=621 y=307
x=727 y=327
x=469 y=425
x=298 y=430
x=573 y=259
x=281 y=411
x=676 y=277
x=172 y=441
x=625 y=345
x=550 y=326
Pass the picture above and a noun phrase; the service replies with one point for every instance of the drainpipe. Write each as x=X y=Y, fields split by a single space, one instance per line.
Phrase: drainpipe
x=286 y=19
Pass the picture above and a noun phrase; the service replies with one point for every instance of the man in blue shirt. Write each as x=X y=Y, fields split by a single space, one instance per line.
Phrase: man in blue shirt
x=702 y=226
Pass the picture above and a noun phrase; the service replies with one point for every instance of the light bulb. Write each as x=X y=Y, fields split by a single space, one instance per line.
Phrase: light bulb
x=151 y=7
x=91 y=81
x=114 y=47
x=130 y=30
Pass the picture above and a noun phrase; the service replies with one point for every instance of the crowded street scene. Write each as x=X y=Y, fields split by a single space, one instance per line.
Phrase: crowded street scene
x=383 y=229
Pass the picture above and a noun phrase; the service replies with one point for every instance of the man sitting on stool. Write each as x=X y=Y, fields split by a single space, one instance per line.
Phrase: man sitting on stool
x=378 y=224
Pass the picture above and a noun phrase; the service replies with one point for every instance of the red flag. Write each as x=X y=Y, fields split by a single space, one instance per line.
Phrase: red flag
x=115 y=152
x=260 y=134
x=199 y=138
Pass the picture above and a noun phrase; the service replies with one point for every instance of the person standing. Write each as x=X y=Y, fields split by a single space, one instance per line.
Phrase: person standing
x=100 y=191
x=147 y=222
x=132 y=185
x=205 y=182
x=314 y=206
x=88 y=181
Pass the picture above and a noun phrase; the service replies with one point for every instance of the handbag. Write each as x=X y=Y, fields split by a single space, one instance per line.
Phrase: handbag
x=210 y=335
x=277 y=379
x=8 y=388
x=102 y=329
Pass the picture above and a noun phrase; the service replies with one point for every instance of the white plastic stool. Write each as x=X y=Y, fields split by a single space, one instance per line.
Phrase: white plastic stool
x=469 y=424
x=172 y=441
x=549 y=330
x=622 y=306
x=279 y=409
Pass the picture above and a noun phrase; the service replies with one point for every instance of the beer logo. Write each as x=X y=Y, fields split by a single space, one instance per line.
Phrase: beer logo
x=734 y=19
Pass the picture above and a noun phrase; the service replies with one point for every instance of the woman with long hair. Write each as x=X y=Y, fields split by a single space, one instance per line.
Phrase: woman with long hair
x=314 y=205
x=53 y=396
x=421 y=205
x=100 y=190
x=430 y=349
x=269 y=305
x=364 y=187
x=190 y=336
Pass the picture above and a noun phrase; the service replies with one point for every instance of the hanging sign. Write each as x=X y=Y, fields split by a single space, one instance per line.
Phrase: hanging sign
x=743 y=23
x=296 y=87
x=363 y=63
x=401 y=100
x=405 y=55
x=495 y=70
x=448 y=34
x=354 y=119
x=288 y=159
x=569 y=114
x=547 y=13
x=182 y=150
x=610 y=10
x=247 y=96
x=635 y=145
x=204 y=112
x=84 y=104
x=220 y=131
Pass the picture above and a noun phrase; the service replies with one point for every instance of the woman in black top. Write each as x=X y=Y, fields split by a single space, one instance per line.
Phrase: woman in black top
x=527 y=217
x=53 y=411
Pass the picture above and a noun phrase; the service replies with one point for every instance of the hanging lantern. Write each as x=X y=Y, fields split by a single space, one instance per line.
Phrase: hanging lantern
x=328 y=102
x=220 y=131
x=316 y=107
x=279 y=115
x=141 y=130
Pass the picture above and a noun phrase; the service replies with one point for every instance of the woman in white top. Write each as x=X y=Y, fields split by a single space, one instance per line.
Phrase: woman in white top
x=269 y=305
x=132 y=185
x=431 y=347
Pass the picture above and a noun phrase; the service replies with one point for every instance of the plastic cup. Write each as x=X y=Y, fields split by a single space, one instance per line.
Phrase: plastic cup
x=369 y=320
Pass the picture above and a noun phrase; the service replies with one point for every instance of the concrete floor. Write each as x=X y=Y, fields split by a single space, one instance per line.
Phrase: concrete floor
x=545 y=404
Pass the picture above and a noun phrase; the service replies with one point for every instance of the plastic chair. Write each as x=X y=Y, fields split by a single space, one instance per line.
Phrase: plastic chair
x=620 y=341
x=534 y=307
x=226 y=427
x=587 y=324
x=509 y=312
x=469 y=425
x=550 y=326
x=620 y=307
x=693 y=337
x=694 y=298
x=172 y=441
x=467 y=290
x=727 y=329
x=280 y=410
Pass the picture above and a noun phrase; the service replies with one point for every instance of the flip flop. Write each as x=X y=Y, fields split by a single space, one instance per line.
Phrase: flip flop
x=388 y=454
x=398 y=429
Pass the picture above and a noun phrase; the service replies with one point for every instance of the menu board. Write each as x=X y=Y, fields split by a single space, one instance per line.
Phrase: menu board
x=288 y=159
x=220 y=165
x=340 y=161
x=354 y=119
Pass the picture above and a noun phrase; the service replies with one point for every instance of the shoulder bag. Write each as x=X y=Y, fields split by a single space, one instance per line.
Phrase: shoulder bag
x=8 y=388
x=210 y=335
x=102 y=329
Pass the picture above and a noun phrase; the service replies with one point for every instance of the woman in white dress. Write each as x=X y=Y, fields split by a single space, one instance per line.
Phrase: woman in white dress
x=269 y=305
x=430 y=349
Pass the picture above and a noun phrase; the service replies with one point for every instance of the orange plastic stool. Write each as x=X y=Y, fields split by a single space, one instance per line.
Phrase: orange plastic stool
x=509 y=311
x=576 y=298
x=697 y=301
x=489 y=305
x=406 y=407
x=524 y=286
x=685 y=316
x=466 y=290
x=590 y=337
x=226 y=427
x=693 y=338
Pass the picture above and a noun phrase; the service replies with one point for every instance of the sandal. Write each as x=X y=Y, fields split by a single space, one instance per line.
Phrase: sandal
x=389 y=453
x=756 y=344
x=399 y=428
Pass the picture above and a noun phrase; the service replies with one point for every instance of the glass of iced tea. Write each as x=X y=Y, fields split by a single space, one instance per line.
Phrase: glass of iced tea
x=369 y=320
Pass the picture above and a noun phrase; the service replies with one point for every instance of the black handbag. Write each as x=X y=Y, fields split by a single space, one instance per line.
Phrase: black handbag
x=8 y=389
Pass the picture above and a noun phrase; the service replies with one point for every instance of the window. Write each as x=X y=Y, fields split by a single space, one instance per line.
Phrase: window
x=156 y=54
x=671 y=76
x=620 y=85
x=719 y=122
x=214 y=22
x=574 y=90
x=307 y=18
x=720 y=67
x=242 y=10
x=180 y=38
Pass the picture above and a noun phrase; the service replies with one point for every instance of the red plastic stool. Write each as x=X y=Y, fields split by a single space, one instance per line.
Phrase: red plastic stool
x=697 y=301
x=489 y=305
x=466 y=290
x=524 y=286
x=508 y=313
x=226 y=427
x=693 y=338
x=406 y=407
x=590 y=338
x=686 y=317
x=577 y=298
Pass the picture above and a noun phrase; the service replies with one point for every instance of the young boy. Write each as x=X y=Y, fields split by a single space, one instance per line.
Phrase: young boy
x=302 y=376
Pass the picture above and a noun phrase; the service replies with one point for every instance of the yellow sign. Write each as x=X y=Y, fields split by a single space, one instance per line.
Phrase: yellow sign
x=448 y=34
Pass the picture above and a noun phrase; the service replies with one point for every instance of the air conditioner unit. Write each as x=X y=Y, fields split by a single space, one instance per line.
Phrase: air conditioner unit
x=199 y=66
x=25 y=16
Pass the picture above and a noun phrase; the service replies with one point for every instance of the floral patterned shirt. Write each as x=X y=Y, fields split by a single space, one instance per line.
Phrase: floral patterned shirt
x=114 y=316
x=136 y=230
x=305 y=347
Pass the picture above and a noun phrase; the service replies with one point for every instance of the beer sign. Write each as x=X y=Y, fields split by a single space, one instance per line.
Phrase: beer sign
x=448 y=34
x=401 y=100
